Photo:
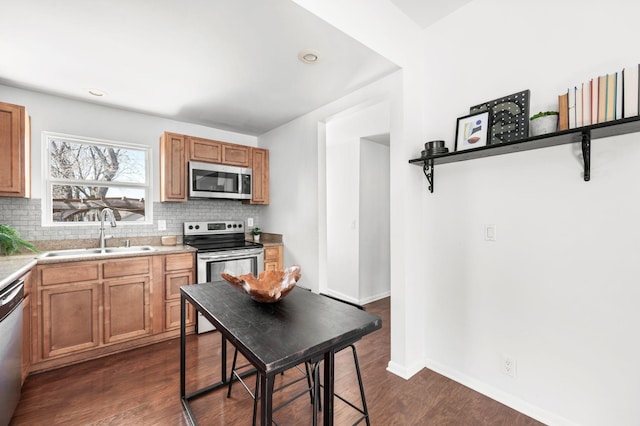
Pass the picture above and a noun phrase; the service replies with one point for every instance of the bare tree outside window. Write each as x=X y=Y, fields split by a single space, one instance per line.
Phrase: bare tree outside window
x=86 y=176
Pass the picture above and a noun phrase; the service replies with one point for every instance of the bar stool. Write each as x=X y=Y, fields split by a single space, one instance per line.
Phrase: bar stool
x=364 y=410
x=310 y=373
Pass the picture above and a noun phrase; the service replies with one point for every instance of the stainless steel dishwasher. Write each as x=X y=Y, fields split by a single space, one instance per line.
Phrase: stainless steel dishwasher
x=10 y=348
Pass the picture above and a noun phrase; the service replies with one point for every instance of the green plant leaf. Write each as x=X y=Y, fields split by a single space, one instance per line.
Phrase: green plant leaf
x=11 y=243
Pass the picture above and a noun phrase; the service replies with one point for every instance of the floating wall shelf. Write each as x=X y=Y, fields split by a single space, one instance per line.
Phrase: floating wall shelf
x=583 y=135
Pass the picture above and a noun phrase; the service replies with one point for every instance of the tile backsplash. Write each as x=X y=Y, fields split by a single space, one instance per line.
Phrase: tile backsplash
x=25 y=216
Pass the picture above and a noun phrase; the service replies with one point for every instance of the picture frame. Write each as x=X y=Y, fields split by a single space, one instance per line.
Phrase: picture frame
x=472 y=131
x=509 y=117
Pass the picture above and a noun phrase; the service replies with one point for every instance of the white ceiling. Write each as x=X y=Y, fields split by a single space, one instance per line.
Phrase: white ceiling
x=230 y=64
x=426 y=12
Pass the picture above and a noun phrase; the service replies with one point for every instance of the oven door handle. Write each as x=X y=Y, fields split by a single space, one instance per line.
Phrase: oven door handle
x=225 y=256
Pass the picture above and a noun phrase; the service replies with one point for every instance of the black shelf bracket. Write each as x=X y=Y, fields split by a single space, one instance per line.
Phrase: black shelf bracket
x=586 y=154
x=428 y=170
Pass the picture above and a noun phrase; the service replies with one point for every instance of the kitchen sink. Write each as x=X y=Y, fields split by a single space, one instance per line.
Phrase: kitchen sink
x=95 y=252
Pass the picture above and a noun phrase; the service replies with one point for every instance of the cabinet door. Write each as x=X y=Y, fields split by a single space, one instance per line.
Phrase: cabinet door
x=126 y=309
x=70 y=318
x=15 y=146
x=273 y=258
x=175 y=280
x=173 y=168
x=205 y=150
x=236 y=155
x=172 y=315
x=260 y=166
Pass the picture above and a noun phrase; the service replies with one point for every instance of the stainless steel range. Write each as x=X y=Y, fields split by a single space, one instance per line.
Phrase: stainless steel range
x=221 y=247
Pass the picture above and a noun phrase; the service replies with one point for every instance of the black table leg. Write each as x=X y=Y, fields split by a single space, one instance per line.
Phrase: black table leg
x=224 y=359
x=183 y=362
x=327 y=413
x=266 y=399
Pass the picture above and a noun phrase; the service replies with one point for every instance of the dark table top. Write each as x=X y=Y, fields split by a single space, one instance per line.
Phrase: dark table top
x=277 y=336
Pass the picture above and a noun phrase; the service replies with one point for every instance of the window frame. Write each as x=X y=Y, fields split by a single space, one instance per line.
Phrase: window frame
x=48 y=181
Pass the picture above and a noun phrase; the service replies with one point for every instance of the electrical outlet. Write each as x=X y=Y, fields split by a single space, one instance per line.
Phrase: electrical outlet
x=249 y=222
x=490 y=233
x=509 y=365
x=162 y=225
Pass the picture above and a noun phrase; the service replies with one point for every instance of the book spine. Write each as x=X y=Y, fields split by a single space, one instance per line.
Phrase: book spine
x=572 y=108
x=586 y=103
x=619 y=96
x=602 y=98
x=630 y=86
x=611 y=98
x=579 y=106
x=563 y=111
x=594 y=101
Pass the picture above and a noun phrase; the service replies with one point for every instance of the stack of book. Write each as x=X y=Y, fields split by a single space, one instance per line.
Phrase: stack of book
x=601 y=99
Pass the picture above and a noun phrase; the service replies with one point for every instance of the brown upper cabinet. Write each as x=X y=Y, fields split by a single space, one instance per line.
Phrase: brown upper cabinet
x=177 y=150
x=205 y=150
x=236 y=155
x=260 y=167
x=173 y=167
x=15 y=145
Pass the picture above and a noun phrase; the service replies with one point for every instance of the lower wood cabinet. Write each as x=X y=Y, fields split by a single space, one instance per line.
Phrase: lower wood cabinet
x=86 y=309
x=273 y=258
x=126 y=309
x=70 y=318
x=178 y=271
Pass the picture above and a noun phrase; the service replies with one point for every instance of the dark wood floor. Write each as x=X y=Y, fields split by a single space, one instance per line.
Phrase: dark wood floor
x=141 y=387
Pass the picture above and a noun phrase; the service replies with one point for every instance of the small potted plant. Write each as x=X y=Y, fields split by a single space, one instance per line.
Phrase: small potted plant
x=256 y=234
x=544 y=122
x=11 y=243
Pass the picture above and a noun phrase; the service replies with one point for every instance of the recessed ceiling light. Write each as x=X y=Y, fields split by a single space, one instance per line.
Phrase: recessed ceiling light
x=309 y=56
x=96 y=92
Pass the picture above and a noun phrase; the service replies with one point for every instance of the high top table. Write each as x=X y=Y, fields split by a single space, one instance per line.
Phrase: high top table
x=274 y=337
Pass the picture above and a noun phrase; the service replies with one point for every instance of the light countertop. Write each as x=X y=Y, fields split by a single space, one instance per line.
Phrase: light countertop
x=13 y=267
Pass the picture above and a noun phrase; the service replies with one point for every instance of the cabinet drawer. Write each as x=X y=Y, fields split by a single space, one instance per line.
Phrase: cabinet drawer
x=271 y=253
x=176 y=262
x=61 y=274
x=126 y=267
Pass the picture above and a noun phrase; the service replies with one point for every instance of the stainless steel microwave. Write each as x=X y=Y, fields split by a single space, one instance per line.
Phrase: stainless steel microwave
x=219 y=181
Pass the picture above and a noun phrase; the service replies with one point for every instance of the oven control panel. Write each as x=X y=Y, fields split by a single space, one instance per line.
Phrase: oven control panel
x=214 y=227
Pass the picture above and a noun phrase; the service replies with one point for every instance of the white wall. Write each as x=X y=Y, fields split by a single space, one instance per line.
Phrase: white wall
x=357 y=269
x=298 y=177
x=558 y=289
x=62 y=115
x=374 y=224
x=343 y=196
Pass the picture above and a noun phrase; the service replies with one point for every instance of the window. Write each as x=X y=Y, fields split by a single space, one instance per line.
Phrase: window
x=82 y=176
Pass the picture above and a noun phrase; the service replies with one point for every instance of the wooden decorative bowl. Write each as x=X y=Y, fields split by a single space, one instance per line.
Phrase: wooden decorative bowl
x=269 y=287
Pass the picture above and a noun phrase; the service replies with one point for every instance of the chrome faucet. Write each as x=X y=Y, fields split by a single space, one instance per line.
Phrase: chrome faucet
x=103 y=237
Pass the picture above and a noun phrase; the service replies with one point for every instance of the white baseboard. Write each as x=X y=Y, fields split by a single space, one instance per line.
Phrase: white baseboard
x=400 y=370
x=364 y=301
x=375 y=297
x=507 y=399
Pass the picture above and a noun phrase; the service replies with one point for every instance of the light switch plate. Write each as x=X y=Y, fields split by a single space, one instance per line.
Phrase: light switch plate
x=162 y=225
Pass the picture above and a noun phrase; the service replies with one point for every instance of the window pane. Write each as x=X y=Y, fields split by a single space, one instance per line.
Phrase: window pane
x=76 y=203
x=83 y=161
